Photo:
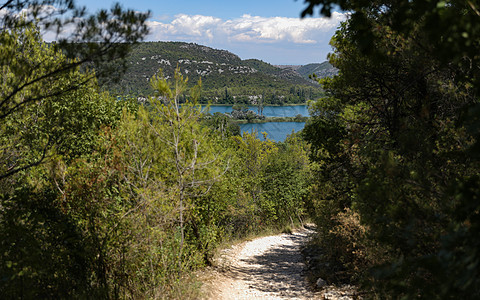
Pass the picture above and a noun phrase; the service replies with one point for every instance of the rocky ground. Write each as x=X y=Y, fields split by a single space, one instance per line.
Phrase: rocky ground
x=270 y=267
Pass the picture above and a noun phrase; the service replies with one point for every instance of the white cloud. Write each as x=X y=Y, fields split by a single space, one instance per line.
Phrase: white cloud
x=3 y=12
x=185 y=26
x=249 y=29
x=41 y=15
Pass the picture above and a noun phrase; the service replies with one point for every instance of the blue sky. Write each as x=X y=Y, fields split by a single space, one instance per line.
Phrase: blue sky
x=217 y=8
x=270 y=30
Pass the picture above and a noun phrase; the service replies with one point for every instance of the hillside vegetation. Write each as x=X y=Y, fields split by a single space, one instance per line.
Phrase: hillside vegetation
x=225 y=77
x=108 y=199
x=318 y=70
x=321 y=71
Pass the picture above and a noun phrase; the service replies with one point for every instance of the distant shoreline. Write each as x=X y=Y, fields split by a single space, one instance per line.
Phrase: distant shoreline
x=271 y=119
x=297 y=104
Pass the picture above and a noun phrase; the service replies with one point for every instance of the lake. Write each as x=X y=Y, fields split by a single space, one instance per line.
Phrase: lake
x=276 y=131
x=268 y=111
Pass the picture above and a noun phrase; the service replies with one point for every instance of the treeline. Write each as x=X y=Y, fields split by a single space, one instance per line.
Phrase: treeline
x=268 y=95
x=242 y=115
x=103 y=198
x=395 y=151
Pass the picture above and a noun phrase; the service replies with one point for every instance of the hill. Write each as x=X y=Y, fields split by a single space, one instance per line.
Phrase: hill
x=321 y=70
x=225 y=77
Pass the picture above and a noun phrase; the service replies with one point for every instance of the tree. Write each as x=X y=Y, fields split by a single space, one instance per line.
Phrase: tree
x=223 y=124
x=46 y=244
x=284 y=181
x=192 y=164
x=449 y=27
x=404 y=150
x=30 y=79
x=64 y=121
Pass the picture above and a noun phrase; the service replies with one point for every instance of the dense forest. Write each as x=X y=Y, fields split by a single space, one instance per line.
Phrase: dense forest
x=107 y=197
x=226 y=78
x=394 y=150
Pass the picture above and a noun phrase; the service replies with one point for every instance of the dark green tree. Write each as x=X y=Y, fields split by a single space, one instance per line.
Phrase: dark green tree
x=43 y=246
x=94 y=41
x=394 y=145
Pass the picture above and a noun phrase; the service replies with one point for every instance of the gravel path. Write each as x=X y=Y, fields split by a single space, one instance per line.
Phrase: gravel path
x=265 y=268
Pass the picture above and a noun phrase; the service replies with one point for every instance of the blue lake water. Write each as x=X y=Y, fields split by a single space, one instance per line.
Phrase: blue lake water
x=269 y=111
x=276 y=131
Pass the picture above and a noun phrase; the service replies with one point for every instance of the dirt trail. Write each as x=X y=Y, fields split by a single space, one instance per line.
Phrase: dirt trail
x=265 y=268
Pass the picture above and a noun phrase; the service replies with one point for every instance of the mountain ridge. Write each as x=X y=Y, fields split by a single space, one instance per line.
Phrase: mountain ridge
x=321 y=70
x=226 y=78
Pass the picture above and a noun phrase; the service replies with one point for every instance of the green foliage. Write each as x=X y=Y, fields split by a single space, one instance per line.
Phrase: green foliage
x=285 y=181
x=392 y=149
x=104 y=37
x=45 y=246
x=274 y=178
x=102 y=198
x=222 y=123
x=241 y=112
x=42 y=249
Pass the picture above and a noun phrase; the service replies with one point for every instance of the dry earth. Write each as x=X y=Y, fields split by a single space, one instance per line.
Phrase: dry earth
x=264 y=268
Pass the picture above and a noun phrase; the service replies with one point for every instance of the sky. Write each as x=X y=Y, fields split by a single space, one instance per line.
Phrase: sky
x=270 y=30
